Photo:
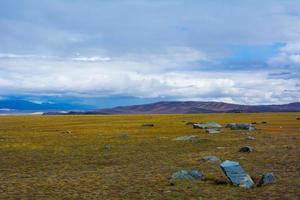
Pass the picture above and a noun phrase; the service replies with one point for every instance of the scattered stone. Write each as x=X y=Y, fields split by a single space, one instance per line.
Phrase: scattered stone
x=211 y=158
x=106 y=147
x=236 y=174
x=250 y=138
x=162 y=137
x=208 y=125
x=253 y=122
x=123 y=136
x=212 y=131
x=188 y=175
x=241 y=126
x=66 y=132
x=199 y=140
x=148 y=125
x=190 y=123
x=287 y=146
x=266 y=178
x=264 y=122
x=298 y=118
x=246 y=149
x=184 y=138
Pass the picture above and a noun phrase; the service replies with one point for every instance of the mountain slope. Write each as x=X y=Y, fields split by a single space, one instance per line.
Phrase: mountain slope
x=176 y=107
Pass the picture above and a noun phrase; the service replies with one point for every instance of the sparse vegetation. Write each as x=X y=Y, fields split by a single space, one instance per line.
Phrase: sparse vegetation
x=85 y=157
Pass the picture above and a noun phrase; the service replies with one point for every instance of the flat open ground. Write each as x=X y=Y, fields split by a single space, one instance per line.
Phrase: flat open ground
x=84 y=157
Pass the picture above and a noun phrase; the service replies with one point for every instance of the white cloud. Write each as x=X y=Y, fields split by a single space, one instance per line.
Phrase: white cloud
x=142 y=79
x=91 y=59
x=289 y=54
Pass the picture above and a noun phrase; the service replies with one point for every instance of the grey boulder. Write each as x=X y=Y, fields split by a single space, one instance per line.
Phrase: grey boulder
x=266 y=178
x=188 y=175
x=241 y=126
x=185 y=138
x=246 y=149
x=210 y=158
x=207 y=125
x=236 y=174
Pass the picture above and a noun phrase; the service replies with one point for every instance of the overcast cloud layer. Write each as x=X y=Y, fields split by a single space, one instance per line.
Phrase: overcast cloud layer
x=233 y=51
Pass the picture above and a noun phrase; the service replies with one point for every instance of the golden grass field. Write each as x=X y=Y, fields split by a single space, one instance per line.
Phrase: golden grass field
x=64 y=157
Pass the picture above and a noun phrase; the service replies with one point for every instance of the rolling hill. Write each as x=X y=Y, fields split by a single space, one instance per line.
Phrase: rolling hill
x=185 y=107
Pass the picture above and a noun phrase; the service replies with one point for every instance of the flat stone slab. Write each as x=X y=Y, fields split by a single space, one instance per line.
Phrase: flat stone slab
x=188 y=175
x=187 y=137
x=211 y=158
x=236 y=174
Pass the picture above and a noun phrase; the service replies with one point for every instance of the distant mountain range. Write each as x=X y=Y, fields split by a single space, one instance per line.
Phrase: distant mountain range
x=13 y=106
x=185 y=107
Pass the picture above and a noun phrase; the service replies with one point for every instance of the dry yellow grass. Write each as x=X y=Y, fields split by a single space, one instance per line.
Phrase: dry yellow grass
x=63 y=157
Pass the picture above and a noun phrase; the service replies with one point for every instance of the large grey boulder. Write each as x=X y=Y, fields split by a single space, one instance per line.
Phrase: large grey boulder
x=266 y=178
x=188 y=175
x=207 y=125
x=241 y=126
x=236 y=174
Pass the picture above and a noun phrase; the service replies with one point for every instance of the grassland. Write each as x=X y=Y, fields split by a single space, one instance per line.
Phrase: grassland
x=84 y=157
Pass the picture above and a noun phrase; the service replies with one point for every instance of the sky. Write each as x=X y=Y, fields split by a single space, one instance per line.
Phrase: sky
x=121 y=52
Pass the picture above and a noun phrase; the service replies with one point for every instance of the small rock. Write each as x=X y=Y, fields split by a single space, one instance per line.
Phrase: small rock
x=190 y=123
x=246 y=149
x=210 y=158
x=188 y=175
x=148 y=125
x=264 y=122
x=123 y=136
x=250 y=138
x=184 y=138
x=298 y=118
x=106 y=147
x=266 y=178
x=67 y=132
x=212 y=131
x=162 y=137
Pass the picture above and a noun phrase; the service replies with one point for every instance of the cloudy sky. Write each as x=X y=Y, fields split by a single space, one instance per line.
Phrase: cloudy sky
x=120 y=52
